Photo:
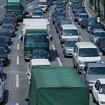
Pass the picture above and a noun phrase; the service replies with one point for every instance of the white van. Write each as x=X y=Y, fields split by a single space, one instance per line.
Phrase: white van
x=68 y=31
x=36 y=62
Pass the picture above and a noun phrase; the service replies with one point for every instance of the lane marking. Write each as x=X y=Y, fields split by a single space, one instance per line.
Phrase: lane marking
x=17 y=80
x=20 y=36
x=70 y=17
x=51 y=10
x=53 y=46
x=69 y=13
x=59 y=61
x=18 y=46
x=50 y=14
x=53 y=7
x=1 y=6
x=81 y=37
x=87 y=10
x=49 y=18
x=17 y=60
x=17 y=103
x=102 y=61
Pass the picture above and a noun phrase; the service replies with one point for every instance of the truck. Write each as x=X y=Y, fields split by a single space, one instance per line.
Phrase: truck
x=35 y=36
x=16 y=6
x=57 y=86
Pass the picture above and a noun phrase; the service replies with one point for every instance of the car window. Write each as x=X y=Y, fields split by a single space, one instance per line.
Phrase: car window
x=97 y=85
x=85 y=69
x=75 y=49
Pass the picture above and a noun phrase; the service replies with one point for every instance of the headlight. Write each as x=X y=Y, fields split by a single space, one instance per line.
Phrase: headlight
x=88 y=28
x=101 y=102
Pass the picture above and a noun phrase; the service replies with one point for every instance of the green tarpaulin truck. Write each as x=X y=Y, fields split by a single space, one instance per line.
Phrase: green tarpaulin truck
x=57 y=86
x=16 y=6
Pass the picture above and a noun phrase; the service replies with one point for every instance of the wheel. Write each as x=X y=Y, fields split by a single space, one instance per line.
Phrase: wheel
x=93 y=98
x=74 y=64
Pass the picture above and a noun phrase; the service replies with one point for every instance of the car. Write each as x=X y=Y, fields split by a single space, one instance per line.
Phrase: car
x=57 y=13
x=62 y=23
x=43 y=5
x=68 y=47
x=3 y=43
x=81 y=16
x=72 y=2
x=83 y=23
x=9 y=20
x=60 y=8
x=37 y=8
x=96 y=26
x=39 y=54
x=34 y=63
x=100 y=43
x=91 y=72
x=97 y=33
x=3 y=56
x=69 y=31
x=77 y=12
x=37 y=14
x=91 y=21
x=98 y=91
x=12 y=15
x=10 y=28
x=75 y=7
x=85 y=52
x=6 y=33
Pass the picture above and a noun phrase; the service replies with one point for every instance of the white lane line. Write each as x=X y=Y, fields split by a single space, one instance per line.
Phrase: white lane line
x=59 y=61
x=17 y=60
x=17 y=103
x=51 y=10
x=103 y=62
x=69 y=10
x=53 y=46
x=81 y=37
x=1 y=6
x=70 y=17
x=17 y=80
x=50 y=14
x=20 y=36
x=69 y=13
x=53 y=7
x=87 y=10
x=18 y=46
x=49 y=18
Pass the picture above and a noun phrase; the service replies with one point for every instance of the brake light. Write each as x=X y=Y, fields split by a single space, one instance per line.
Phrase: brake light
x=80 y=3
x=72 y=3
x=25 y=50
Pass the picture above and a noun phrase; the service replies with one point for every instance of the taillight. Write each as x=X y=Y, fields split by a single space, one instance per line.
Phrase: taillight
x=72 y=3
x=25 y=50
x=6 y=47
x=80 y=3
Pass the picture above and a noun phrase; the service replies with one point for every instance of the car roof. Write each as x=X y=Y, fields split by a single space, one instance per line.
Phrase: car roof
x=68 y=26
x=98 y=30
x=40 y=62
x=83 y=14
x=85 y=45
x=96 y=65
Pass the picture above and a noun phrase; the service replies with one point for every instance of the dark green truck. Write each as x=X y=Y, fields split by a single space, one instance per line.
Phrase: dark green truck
x=57 y=86
x=16 y=6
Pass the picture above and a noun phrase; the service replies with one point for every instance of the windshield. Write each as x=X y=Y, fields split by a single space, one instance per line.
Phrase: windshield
x=83 y=16
x=76 y=1
x=36 y=40
x=102 y=89
x=88 y=52
x=92 y=22
x=14 y=7
x=2 y=40
x=99 y=34
x=69 y=32
x=42 y=3
x=96 y=71
x=70 y=43
x=7 y=26
x=37 y=13
x=8 y=20
x=39 y=55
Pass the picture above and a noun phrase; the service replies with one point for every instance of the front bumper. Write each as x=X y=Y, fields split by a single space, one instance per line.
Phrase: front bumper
x=68 y=53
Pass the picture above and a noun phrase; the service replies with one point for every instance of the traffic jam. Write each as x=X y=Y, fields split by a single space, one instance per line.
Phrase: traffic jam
x=50 y=84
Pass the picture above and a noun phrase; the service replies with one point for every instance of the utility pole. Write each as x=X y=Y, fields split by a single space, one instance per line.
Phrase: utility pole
x=104 y=9
x=98 y=8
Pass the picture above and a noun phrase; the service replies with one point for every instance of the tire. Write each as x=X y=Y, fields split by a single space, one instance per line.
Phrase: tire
x=74 y=64
x=93 y=98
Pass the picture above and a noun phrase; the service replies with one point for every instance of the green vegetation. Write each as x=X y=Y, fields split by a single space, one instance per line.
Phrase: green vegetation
x=102 y=1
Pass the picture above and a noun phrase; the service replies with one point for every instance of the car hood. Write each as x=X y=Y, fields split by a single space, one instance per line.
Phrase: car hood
x=93 y=78
x=74 y=37
x=101 y=97
x=89 y=59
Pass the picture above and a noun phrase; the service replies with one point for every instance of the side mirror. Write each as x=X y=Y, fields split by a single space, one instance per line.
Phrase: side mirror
x=29 y=74
x=0 y=22
x=3 y=82
x=26 y=99
x=5 y=6
x=79 y=33
x=50 y=37
x=21 y=38
x=63 y=45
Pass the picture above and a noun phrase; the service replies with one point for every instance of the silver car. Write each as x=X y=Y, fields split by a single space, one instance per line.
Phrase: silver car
x=97 y=33
x=92 y=72
x=68 y=47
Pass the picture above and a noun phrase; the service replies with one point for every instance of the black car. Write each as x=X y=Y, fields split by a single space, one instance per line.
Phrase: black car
x=100 y=43
x=84 y=23
x=91 y=21
x=3 y=56
x=57 y=13
x=10 y=28
x=39 y=54
x=3 y=43
x=6 y=33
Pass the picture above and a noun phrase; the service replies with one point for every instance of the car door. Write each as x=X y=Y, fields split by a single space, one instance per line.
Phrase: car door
x=96 y=90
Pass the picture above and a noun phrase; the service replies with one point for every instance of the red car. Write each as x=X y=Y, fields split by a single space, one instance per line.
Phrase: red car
x=9 y=20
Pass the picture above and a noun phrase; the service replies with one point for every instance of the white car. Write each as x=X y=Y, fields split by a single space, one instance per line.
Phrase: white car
x=98 y=92
x=85 y=52
x=36 y=62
